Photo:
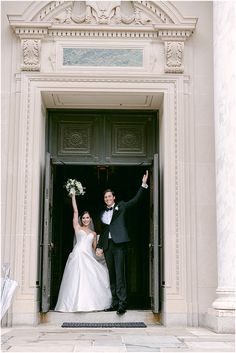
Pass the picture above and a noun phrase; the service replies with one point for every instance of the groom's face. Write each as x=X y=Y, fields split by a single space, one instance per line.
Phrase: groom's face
x=109 y=199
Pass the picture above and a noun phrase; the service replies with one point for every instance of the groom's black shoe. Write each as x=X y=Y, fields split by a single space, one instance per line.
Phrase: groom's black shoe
x=112 y=308
x=121 y=310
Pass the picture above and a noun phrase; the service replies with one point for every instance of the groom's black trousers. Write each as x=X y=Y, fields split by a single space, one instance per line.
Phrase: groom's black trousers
x=115 y=256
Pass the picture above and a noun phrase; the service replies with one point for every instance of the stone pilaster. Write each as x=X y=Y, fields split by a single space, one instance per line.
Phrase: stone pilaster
x=222 y=315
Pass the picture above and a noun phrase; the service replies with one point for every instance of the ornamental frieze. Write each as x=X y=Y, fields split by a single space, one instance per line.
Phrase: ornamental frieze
x=114 y=20
x=99 y=12
x=103 y=12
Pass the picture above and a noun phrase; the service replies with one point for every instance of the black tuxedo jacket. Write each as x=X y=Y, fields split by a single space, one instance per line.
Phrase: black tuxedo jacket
x=117 y=227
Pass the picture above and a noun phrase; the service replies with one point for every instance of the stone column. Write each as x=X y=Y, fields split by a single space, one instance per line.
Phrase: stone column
x=224 y=30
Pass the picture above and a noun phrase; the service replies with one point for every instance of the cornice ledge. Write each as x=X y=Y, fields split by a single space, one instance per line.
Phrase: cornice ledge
x=174 y=32
x=162 y=31
x=30 y=29
x=112 y=77
x=41 y=30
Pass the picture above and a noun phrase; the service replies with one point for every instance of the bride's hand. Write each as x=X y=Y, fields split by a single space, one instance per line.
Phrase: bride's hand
x=72 y=192
x=99 y=252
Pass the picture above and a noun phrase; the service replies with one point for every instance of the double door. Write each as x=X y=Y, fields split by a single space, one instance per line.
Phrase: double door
x=122 y=174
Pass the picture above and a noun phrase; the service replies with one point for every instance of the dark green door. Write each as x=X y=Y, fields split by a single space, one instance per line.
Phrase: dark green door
x=47 y=244
x=103 y=149
x=103 y=137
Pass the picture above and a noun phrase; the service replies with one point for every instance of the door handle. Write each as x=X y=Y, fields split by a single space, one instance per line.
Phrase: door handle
x=51 y=246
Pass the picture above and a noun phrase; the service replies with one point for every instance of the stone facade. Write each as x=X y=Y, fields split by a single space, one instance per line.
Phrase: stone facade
x=44 y=67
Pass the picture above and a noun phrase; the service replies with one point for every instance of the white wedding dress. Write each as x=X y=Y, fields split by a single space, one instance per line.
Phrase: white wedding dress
x=85 y=283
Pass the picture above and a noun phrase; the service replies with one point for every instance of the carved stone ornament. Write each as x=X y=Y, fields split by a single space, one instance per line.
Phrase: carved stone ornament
x=145 y=20
x=102 y=12
x=31 y=54
x=174 y=52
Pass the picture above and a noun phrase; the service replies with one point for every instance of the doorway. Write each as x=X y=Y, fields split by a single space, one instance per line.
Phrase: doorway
x=125 y=181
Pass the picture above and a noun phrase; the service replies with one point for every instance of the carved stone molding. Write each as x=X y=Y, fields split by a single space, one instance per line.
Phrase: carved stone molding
x=174 y=53
x=31 y=54
x=111 y=16
x=100 y=12
x=93 y=32
x=32 y=31
x=147 y=20
x=103 y=12
x=174 y=32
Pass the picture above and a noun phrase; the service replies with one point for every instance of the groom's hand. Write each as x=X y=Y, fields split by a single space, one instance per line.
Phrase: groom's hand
x=145 y=178
x=99 y=252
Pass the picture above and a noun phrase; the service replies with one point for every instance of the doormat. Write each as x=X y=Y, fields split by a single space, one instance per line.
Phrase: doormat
x=104 y=324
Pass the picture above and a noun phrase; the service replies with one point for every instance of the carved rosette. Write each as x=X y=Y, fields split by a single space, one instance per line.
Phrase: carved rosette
x=76 y=139
x=31 y=54
x=174 y=53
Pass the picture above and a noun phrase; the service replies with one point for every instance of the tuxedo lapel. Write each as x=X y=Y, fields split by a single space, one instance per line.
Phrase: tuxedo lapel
x=116 y=212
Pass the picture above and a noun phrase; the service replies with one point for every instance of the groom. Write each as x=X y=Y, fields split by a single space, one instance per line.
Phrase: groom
x=113 y=241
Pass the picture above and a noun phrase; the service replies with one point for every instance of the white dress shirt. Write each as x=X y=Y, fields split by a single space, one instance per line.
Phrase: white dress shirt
x=107 y=216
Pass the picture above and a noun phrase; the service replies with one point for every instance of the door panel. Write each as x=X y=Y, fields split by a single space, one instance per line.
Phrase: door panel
x=154 y=239
x=103 y=137
x=129 y=137
x=47 y=245
x=76 y=137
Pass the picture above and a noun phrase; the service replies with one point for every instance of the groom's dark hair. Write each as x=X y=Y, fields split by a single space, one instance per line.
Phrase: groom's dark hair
x=109 y=190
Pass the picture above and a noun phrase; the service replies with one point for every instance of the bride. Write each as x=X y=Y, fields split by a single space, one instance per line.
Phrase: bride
x=85 y=283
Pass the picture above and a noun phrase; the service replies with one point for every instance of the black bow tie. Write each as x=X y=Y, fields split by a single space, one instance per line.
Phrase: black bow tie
x=109 y=209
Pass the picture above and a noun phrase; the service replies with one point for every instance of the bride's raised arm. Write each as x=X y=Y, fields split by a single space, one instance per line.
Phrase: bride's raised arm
x=76 y=212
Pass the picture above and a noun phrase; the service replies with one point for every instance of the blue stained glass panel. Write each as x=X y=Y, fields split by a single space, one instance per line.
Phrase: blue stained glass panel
x=102 y=57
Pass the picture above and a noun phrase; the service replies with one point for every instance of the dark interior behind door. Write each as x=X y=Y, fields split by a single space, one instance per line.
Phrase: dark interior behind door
x=125 y=180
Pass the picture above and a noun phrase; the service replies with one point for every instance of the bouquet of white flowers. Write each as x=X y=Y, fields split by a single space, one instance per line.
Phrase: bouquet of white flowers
x=74 y=186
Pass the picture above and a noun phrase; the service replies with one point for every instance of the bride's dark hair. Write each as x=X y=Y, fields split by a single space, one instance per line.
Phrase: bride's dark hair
x=83 y=213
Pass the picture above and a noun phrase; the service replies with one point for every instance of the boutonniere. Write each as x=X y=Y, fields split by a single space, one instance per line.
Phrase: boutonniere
x=116 y=208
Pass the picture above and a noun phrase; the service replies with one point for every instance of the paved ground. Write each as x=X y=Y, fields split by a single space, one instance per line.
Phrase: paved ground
x=154 y=338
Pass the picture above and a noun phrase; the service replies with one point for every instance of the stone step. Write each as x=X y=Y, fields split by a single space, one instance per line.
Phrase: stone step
x=146 y=316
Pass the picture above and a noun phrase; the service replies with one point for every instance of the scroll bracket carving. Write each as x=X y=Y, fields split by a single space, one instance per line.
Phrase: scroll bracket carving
x=174 y=37
x=30 y=54
x=174 y=53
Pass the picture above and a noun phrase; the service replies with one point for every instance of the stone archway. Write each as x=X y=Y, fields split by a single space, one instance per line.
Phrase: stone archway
x=173 y=179
x=44 y=75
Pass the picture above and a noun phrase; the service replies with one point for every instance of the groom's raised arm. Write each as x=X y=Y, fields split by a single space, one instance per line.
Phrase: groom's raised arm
x=140 y=192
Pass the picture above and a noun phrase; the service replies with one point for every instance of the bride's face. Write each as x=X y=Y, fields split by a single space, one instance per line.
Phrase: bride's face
x=86 y=219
